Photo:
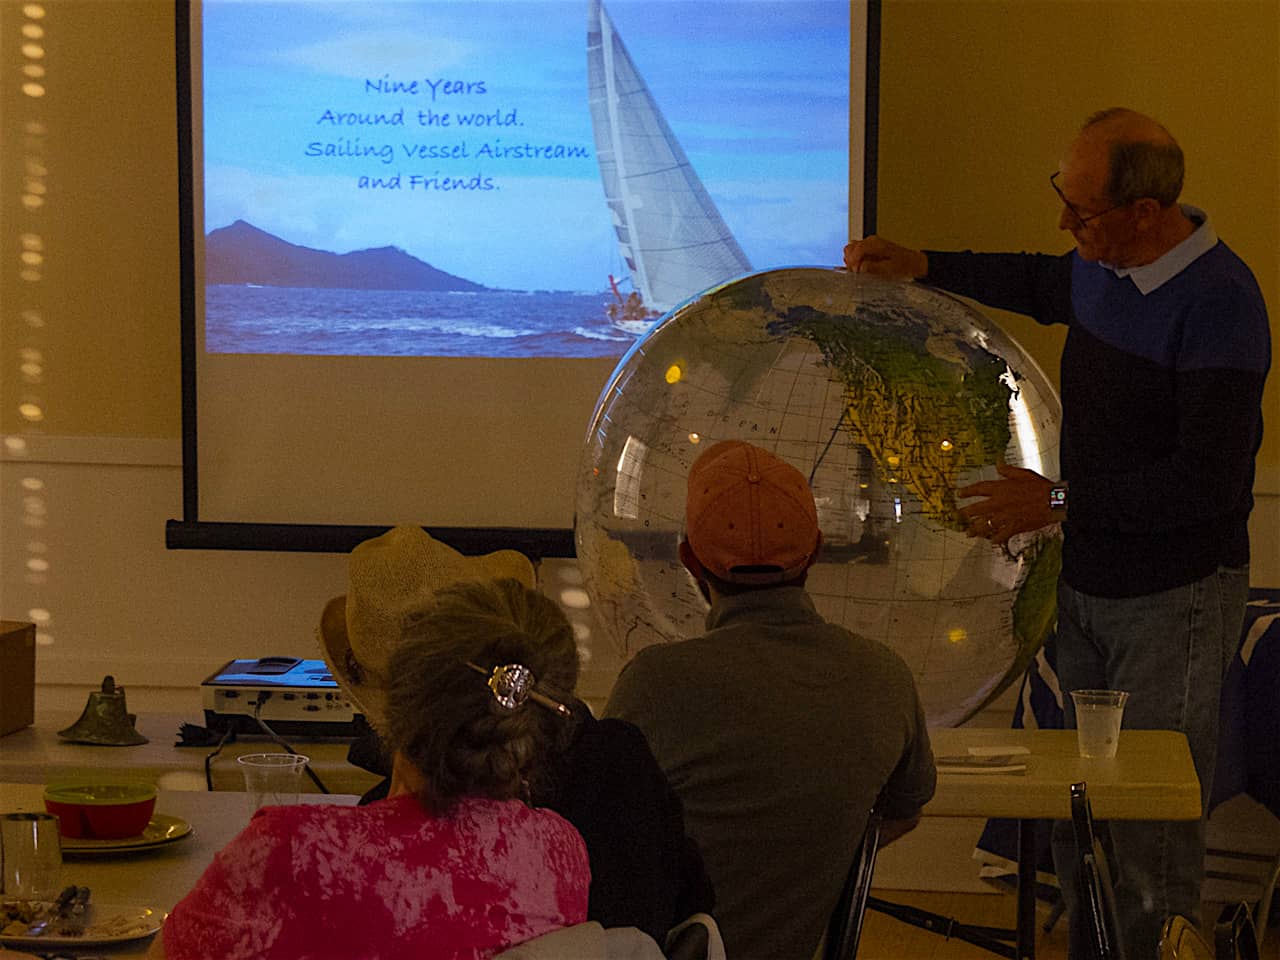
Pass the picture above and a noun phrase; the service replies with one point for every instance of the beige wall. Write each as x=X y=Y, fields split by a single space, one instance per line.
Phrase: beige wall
x=979 y=98
x=107 y=290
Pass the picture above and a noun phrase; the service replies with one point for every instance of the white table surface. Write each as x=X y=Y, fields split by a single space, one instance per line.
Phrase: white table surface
x=37 y=755
x=1152 y=777
x=161 y=876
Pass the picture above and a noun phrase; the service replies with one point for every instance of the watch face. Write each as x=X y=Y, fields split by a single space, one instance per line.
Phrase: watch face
x=1058 y=498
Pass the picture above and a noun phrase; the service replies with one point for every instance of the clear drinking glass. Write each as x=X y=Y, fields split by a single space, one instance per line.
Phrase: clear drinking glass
x=1098 y=716
x=271 y=779
x=31 y=853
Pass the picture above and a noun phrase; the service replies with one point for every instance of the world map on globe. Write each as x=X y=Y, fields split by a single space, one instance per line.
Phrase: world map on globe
x=888 y=396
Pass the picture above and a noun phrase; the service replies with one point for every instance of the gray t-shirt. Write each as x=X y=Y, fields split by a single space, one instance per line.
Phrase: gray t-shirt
x=779 y=732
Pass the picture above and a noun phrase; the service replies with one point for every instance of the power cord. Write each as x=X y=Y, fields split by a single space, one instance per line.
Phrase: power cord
x=263 y=697
x=208 y=759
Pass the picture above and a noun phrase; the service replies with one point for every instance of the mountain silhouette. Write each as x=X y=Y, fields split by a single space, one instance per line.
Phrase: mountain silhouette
x=242 y=253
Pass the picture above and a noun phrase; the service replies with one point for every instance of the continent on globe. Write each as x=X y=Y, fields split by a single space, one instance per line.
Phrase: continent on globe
x=888 y=396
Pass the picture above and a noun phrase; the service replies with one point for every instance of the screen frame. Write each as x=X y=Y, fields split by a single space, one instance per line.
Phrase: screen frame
x=192 y=533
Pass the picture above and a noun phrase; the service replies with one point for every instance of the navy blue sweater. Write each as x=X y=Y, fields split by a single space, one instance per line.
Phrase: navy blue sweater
x=1162 y=408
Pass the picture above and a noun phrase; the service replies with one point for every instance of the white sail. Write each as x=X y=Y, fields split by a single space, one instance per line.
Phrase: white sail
x=672 y=237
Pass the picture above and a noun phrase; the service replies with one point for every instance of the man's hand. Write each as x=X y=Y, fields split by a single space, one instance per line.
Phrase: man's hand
x=878 y=256
x=1016 y=503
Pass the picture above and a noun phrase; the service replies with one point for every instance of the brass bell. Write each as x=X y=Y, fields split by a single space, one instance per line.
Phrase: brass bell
x=105 y=720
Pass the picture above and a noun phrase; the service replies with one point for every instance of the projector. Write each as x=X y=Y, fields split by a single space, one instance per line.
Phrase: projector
x=292 y=696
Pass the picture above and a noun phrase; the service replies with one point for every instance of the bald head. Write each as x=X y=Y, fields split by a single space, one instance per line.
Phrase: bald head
x=1126 y=124
x=1143 y=159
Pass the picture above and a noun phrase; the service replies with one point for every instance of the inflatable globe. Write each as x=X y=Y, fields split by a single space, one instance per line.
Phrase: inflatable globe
x=888 y=396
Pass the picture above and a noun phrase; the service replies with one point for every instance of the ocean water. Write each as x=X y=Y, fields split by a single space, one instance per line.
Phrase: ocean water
x=410 y=323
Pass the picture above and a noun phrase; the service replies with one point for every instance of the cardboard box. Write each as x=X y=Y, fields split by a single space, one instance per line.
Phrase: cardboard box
x=17 y=675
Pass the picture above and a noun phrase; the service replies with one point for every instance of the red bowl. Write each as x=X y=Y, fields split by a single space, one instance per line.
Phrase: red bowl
x=101 y=811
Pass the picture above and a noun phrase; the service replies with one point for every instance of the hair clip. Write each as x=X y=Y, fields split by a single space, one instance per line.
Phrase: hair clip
x=513 y=683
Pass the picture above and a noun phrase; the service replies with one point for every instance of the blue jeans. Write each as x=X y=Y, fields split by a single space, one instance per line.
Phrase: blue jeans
x=1170 y=650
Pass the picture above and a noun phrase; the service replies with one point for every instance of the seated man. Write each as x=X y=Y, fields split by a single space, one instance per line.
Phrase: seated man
x=779 y=731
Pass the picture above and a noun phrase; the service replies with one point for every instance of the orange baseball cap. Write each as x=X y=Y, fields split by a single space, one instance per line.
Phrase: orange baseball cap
x=749 y=516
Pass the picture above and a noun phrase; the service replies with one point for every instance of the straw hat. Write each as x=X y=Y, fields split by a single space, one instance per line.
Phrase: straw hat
x=387 y=577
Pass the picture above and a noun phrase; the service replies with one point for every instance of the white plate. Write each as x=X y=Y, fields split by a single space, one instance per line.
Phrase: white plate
x=107 y=923
x=161 y=830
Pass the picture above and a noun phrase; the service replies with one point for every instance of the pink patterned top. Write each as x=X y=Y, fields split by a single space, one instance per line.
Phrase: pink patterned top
x=384 y=881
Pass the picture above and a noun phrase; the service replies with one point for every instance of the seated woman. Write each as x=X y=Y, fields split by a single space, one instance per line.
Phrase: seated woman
x=454 y=863
x=645 y=872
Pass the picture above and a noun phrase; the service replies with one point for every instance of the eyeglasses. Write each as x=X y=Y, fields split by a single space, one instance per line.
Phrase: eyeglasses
x=1081 y=219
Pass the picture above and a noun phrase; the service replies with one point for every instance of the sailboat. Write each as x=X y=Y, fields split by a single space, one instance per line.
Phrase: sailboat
x=672 y=238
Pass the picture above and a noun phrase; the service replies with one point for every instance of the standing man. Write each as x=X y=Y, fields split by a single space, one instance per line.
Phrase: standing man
x=779 y=731
x=1167 y=350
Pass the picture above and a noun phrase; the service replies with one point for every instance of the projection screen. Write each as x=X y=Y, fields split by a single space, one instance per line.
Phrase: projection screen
x=418 y=236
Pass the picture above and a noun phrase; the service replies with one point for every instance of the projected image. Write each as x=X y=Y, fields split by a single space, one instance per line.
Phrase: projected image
x=526 y=178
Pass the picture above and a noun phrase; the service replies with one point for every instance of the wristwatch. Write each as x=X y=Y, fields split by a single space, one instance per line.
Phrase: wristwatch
x=1058 y=498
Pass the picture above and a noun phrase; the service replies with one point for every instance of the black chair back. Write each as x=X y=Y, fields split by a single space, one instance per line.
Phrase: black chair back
x=691 y=943
x=1097 y=896
x=845 y=927
x=1234 y=935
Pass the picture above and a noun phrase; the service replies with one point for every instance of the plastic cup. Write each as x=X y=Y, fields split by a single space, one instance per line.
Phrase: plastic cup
x=31 y=851
x=272 y=779
x=1098 y=716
